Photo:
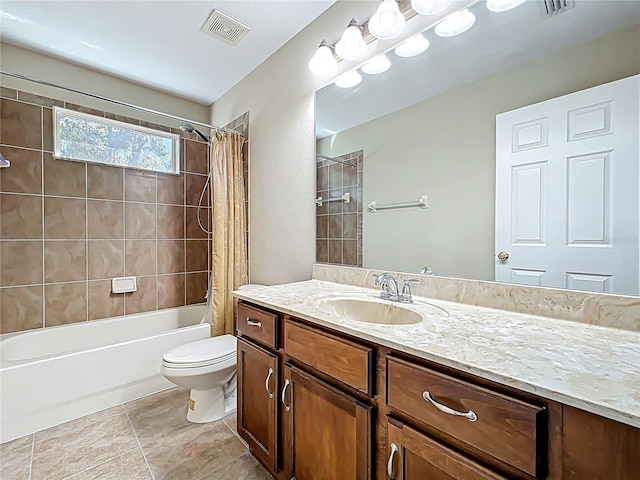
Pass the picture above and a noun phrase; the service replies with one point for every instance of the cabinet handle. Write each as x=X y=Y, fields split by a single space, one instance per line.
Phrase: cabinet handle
x=252 y=323
x=284 y=391
x=471 y=415
x=394 y=450
x=266 y=383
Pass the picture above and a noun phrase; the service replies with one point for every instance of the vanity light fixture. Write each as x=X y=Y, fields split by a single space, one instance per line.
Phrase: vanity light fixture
x=387 y=22
x=323 y=63
x=348 y=80
x=503 y=5
x=376 y=65
x=430 y=7
x=352 y=45
x=455 y=24
x=412 y=46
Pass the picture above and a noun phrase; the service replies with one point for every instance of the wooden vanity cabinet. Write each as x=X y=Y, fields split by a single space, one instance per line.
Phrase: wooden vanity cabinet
x=596 y=448
x=412 y=455
x=296 y=424
x=330 y=434
x=501 y=426
x=259 y=325
x=344 y=361
x=257 y=413
x=316 y=404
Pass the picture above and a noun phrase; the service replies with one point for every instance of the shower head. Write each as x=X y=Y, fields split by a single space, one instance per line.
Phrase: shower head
x=187 y=127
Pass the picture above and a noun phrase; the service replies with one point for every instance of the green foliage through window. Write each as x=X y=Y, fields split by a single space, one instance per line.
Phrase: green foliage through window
x=79 y=136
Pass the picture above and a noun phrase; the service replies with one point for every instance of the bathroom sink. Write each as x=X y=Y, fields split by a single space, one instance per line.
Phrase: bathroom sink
x=372 y=310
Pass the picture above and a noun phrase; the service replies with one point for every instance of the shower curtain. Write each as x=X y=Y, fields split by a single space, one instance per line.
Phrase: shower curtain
x=229 y=239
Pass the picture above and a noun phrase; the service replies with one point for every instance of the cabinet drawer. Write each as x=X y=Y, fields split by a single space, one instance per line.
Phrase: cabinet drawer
x=506 y=428
x=413 y=455
x=258 y=325
x=341 y=359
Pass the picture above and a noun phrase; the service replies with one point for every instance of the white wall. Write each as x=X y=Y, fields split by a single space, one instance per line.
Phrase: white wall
x=445 y=147
x=42 y=67
x=279 y=96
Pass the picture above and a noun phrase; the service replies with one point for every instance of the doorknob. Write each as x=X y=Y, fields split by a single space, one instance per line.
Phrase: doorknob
x=503 y=256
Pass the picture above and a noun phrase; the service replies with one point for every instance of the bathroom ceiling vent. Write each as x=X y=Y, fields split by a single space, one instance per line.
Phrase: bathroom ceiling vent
x=224 y=27
x=551 y=8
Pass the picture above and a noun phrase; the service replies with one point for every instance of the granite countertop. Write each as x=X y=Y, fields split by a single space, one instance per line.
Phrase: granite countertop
x=593 y=368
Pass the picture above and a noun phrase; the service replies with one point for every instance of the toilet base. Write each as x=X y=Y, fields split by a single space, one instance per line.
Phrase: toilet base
x=209 y=405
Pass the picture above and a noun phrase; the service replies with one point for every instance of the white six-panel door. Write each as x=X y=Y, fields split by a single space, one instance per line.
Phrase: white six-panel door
x=567 y=196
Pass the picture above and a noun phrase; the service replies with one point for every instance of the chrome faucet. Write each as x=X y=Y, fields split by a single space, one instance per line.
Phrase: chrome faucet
x=389 y=286
x=426 y=271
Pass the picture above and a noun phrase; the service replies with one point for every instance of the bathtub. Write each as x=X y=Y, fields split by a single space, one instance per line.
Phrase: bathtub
x=57 y=374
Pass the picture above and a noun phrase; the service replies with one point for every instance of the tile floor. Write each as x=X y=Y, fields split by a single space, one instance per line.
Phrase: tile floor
x=149 y=439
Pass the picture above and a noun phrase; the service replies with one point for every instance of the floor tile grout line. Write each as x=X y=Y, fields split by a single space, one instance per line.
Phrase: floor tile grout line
x=98 y=464
x=33 y=448
x=236 y=434
x=90 y=423
x=223 y=464
x=135 y=434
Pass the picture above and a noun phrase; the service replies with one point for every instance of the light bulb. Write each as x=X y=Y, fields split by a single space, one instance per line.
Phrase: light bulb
x=429 y=7
x=348 y=80
x=379 y=64
x=412 y=46
x=387 y=22
x=323 y=62
x=456 y=23
x=503 y=5
x=351 y=46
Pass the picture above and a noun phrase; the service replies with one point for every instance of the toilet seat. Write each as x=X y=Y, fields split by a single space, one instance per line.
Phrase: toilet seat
x=202 y=353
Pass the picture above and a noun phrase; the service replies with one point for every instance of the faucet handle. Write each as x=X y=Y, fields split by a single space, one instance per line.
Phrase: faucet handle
x=379 y=277
x=405 y=296
x=409 y=281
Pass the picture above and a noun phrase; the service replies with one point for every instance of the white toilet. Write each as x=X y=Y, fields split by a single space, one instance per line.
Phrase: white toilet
x=208 y=368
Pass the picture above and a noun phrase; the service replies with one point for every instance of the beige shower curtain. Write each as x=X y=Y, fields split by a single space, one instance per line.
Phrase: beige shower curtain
x=229 y=239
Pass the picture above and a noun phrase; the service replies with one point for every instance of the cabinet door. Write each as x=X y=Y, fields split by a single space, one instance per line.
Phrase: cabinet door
x=412 y=455
x=330 y=434
x=257 y=401
x=597 y=448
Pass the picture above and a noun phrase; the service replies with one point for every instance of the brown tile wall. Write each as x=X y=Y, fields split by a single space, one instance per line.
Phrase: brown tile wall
x=339 y=224
x=67 y=228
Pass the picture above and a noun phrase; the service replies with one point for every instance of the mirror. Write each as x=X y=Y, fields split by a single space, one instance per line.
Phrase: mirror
x=427 y=128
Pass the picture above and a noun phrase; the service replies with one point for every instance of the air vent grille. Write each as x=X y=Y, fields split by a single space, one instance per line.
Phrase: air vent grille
x=551 y=8
x=224 y=27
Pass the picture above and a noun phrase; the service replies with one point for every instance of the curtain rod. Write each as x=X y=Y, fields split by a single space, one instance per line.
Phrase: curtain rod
x=117 y=102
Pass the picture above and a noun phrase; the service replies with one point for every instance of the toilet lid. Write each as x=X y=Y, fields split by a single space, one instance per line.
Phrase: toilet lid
x=209 y=350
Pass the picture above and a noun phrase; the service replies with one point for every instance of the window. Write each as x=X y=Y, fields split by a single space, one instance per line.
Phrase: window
x=87 y=138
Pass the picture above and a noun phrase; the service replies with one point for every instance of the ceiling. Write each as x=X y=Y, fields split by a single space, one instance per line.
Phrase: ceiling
x=157 y=43
x=496 y=42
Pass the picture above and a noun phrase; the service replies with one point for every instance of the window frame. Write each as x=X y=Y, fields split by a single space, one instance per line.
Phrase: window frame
x=174 y=137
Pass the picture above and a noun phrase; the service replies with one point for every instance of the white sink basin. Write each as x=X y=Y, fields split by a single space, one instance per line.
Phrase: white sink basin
x=372 y=310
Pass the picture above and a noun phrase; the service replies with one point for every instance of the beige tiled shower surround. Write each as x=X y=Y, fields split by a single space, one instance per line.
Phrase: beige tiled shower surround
x=339 y=224
x=67 y=228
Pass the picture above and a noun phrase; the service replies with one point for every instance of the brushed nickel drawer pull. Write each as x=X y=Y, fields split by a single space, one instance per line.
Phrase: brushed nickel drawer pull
x=394 y=450
x=284 y=392
x=252 y=323
x=471 y=415
x=266 y=382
